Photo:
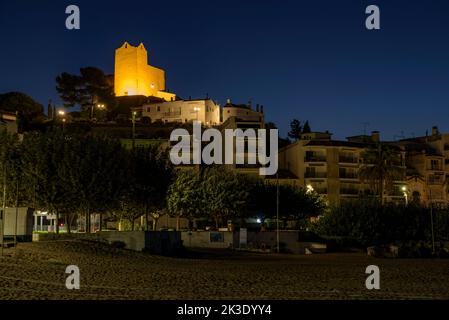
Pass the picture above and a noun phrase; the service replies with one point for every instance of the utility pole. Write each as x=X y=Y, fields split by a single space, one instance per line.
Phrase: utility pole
x=277 y=212
x=2 y=227
x=365 y=125
x=431 y=221
x=134 y=129
x=17 y=212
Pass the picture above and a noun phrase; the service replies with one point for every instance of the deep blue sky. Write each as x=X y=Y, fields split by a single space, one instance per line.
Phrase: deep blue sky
x=301 y=59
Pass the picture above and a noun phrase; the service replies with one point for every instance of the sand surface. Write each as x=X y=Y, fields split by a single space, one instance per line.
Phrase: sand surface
x=37 y=271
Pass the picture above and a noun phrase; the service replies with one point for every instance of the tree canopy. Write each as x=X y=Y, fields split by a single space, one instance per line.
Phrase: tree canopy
x=87 y=89
x=27 y=109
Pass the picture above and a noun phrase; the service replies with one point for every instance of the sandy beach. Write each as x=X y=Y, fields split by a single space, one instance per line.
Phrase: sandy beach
x=37 y=271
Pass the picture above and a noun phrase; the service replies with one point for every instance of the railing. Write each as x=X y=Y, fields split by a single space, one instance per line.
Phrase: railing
x=435 y=181
x=349 y=191
x=315 y=175
x=435 y=167
x=348 y=176
x=346 y=159
x=321 y=190
x=316 y=158
x=172 y=114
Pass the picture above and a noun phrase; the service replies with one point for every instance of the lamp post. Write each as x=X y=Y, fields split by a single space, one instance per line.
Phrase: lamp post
x=404 y=192
x=431 y=220
x=134 y=130
x=2 y=227
x=277 y=212
x=309 y=189
x=99 y=106
x=61 y=113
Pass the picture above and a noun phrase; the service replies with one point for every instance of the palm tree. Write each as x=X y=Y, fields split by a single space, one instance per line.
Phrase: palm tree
x=382 y=166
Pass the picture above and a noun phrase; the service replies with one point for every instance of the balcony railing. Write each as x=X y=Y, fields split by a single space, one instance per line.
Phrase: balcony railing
x=321 y=190
x=435 y=181
x=349 y=191
x=346 y=159
x=435 y=167
x=348 y=176
x=172 y=114
x=315 y=158
x=315 y=175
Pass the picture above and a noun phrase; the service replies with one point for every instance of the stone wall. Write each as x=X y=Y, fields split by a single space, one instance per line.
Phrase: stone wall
x=157 y=242
x=207 y=239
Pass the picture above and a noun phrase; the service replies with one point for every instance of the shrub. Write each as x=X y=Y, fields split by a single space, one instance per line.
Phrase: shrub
x=369 y=223
x=118 y=244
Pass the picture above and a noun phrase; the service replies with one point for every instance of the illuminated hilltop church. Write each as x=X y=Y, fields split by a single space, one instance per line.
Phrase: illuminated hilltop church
x=135 y=77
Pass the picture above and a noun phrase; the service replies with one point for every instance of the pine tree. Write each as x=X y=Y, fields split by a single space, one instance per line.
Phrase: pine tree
x=306 y=128
x=295 y=129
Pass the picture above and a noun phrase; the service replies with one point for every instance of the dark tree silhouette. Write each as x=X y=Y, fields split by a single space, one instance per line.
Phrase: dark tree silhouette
x=295 y=129
x=306 y=128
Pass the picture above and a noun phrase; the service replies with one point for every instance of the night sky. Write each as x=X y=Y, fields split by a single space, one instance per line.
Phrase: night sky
x=310 y=60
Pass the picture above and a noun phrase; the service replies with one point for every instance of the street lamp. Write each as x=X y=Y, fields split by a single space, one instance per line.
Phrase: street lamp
x=99 y=106
x=134 y=129
x=309 y=189
x=3 y=212
x=277 y=214
x=61 y=113
x=404 y=192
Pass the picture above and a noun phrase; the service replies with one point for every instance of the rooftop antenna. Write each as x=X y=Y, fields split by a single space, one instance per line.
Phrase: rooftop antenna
x=399 y=136
x=365 y=126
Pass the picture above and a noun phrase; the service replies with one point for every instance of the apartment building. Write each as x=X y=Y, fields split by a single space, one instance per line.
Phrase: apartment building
x=427 y=160
x=331 y=167
x=182 y=111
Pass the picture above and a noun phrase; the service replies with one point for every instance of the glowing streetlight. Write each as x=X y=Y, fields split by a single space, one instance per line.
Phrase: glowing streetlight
x=99 y=106
x=404 y=192
x=134 y=114
x=309 y=189
x=61 y=113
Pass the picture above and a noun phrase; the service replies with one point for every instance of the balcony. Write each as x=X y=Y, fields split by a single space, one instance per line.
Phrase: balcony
x=172 y=114
x=435 y=181
x=321 y=190
x=347 y=159
x=348 y=176
x=349 y=191
x=435 y=167
x=315 y=158
x=315 y=175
